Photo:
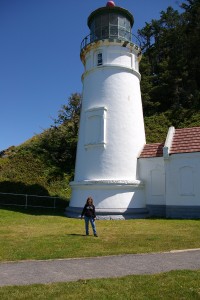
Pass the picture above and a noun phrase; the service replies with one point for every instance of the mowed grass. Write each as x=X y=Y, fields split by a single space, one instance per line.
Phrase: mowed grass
x=172 y=285
x=32 y=234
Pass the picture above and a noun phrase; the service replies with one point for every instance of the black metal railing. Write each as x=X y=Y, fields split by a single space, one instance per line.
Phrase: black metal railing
x=131 y=38
x=25 y=200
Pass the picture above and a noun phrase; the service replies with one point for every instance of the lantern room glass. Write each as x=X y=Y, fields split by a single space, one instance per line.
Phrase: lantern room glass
x=110 y=25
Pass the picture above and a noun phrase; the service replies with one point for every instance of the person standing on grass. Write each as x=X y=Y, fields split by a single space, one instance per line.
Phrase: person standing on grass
x=89 y=216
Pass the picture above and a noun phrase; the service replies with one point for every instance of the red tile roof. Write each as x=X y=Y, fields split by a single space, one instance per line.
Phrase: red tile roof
x=186 y=140
x=152 y=150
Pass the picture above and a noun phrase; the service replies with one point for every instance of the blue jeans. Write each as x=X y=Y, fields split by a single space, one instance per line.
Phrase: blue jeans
x=92 y=222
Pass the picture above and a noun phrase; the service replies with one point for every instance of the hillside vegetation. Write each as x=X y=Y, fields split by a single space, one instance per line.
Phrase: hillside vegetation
x=170 y=87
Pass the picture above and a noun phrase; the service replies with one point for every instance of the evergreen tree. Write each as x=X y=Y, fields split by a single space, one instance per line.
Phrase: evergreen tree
x=170 y=64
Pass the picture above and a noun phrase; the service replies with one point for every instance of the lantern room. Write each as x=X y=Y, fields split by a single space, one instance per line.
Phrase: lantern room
x=110 y=22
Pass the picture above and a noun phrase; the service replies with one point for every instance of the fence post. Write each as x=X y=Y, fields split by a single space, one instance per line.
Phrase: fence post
x=26 y=201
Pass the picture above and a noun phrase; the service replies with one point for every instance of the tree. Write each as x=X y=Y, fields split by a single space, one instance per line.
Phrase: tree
x=170 y=64
x=192 y=46
x=57 y=145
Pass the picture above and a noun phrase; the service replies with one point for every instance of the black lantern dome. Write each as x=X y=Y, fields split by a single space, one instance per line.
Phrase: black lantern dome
x=110 y=22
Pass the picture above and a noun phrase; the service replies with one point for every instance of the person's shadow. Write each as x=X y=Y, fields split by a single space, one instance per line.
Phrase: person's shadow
x=75 y=234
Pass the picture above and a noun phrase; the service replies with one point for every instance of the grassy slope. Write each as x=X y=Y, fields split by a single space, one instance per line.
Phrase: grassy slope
x=26 y=173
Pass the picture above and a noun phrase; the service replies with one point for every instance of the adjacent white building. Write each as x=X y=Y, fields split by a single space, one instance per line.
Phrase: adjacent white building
x=126 y=177
x=171 y=173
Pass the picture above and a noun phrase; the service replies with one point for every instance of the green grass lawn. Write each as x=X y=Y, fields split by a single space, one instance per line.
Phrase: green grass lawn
x=174 y=285
x=40 y=234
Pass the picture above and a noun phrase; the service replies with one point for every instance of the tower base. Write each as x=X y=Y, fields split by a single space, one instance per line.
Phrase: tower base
x=113 y=199
x=137 y=213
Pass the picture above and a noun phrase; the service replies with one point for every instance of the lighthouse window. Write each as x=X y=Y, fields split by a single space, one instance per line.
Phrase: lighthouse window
x=104 y=20
x=98 y=32
x=113 y=19
x=128 y=25
x=110 y=25
x=113 y=31
x=122 y=32
x=99 y=59
x=105 y=32
x=98 y=22
x=122 y=21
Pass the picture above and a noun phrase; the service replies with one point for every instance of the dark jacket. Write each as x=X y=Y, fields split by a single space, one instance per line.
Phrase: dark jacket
x=89 y=211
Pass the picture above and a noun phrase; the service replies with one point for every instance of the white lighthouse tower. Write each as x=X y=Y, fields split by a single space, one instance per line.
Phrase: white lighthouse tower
x=111 y=133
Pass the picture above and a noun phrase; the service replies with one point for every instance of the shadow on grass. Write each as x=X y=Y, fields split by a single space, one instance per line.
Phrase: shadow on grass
x=30 y=199
x=36 y=211
x=75 y=234
x=18 y=187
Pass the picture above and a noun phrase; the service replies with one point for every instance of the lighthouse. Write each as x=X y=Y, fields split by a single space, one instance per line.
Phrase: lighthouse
x=111 y=132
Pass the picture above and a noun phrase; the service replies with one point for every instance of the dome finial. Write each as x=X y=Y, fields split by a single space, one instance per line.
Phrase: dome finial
x=110 y=4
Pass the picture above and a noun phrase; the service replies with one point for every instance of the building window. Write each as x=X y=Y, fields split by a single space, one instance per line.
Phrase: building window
x=99 y=59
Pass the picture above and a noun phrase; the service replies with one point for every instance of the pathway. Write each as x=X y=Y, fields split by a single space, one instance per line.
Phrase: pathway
x=62 y=270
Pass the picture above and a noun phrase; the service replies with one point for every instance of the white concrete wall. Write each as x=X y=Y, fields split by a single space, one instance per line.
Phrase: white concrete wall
x=152 y=172
x=111 y=133
x=183 y=179
x=172 y=186
x=109 y=196
x=112 y=89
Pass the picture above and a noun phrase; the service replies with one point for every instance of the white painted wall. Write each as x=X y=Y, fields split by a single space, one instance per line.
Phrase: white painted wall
x=182 y=179
x=173 y=181
x=152 y=172
x=110 y=197
x=111 y=133
x=114 y=90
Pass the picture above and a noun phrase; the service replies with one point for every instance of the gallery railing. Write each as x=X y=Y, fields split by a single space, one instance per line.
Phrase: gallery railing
x=127 y=38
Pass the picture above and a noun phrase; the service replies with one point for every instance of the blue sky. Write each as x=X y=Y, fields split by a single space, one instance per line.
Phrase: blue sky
x=39 y=58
